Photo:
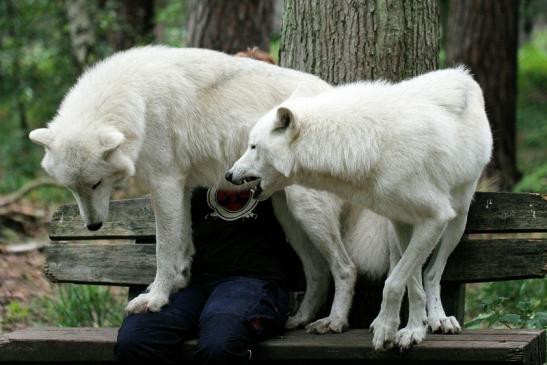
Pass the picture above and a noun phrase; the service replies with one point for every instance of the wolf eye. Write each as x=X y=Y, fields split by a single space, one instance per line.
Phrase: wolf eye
x=96 y=185
x=253 y=146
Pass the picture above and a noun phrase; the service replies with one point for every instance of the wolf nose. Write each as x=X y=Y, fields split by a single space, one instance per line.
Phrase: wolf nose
x=229 y=176
x=94 y=226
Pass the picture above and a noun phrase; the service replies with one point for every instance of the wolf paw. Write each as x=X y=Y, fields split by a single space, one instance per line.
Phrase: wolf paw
x=410 y=335
x=146 y=302
x=384 y=334
x=444 y=324
x=296 y=321
x=327 y=325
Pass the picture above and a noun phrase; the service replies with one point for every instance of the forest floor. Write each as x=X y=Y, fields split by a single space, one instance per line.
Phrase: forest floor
x=23 y=280
x=22 y=238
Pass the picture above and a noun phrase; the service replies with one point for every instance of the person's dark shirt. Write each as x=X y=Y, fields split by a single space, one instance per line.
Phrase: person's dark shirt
x=235 y=235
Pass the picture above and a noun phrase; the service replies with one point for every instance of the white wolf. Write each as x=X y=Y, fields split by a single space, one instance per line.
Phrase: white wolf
x=411 y=151
x=176 y=118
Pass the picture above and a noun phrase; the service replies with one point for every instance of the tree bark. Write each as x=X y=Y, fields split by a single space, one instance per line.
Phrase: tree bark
x=230 y=26
x=483 y=34
x=345 y=41
x=81 y=29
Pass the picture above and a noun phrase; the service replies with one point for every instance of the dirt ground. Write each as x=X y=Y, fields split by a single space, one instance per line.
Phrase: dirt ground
x=21 y=280
x=22 y=224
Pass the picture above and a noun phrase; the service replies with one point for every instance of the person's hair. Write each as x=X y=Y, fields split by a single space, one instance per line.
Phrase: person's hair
x=257 y=54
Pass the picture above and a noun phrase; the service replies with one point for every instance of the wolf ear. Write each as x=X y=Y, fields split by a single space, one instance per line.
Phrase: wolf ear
x=109 y=141
x=41 y=136
x=284 y=119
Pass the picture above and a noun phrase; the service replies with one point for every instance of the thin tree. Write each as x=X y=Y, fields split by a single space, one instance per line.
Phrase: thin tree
x=230 y=26
x=483 y=34
x=81 y=30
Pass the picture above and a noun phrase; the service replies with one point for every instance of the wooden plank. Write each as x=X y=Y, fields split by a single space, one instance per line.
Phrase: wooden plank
x=507 y=212
x=92 y=344
x=101 y=264
x=58 y=344
x=128 y=219
x=134 y=218
x=117 y=264
x=491 y=260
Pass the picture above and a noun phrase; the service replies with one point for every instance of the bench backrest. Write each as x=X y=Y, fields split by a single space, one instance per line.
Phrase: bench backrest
x=481 y=256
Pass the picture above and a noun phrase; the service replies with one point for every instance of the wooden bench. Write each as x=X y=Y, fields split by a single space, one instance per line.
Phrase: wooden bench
x=478 y=258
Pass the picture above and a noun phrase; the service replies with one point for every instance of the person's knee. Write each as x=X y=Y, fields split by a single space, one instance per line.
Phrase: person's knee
x=137 y=344
x=230 y=341
x=129 y=347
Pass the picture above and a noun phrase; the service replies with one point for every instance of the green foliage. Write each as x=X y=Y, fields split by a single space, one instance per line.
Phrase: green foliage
x=171 y=18
x=36 y=68
x=274 y=49
x=532 y=114
x=513 y=304
x=81 y=306
x=15 y=313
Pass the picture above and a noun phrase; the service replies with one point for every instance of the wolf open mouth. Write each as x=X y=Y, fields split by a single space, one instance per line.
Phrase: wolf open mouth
x=257 y=189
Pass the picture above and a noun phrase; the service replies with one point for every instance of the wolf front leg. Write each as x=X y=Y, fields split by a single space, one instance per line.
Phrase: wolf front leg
x=315 y=268
x=424 y=237
x=174 y=247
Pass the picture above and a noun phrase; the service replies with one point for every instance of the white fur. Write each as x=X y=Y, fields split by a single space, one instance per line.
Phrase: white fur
x=412 y=152
x=177 y=118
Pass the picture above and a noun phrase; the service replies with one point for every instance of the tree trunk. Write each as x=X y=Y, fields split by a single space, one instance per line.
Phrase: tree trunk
x=81 y=29
x=483 y=34
x=230 y=26
x=345 y=41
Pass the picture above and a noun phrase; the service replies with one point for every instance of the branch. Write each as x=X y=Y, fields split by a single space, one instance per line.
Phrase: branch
x=26 y=188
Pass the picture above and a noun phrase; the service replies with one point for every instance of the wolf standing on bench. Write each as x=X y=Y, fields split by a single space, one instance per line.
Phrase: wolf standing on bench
x=174 y=118
x=412 y=152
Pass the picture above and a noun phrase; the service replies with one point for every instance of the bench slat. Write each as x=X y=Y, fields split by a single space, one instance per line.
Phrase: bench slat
x=95 y=344
x=128 y=219
x=127 y=264
x=507 y=212
x=134 y=218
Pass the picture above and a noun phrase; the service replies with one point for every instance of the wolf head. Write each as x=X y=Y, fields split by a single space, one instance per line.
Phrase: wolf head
x=270 y=156
x=88 y=162
x=269 y=159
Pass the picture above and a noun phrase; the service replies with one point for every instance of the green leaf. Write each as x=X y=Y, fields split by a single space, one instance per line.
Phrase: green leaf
x=510 y=318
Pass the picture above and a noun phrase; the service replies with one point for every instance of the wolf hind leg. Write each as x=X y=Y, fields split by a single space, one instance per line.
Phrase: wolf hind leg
x=416 y=328
x=437 y=318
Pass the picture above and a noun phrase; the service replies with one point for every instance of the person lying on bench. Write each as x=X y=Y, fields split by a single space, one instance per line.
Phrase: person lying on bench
x=237 y=295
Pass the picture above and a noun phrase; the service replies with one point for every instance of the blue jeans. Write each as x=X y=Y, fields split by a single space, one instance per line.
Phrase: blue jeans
x=228 y=316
